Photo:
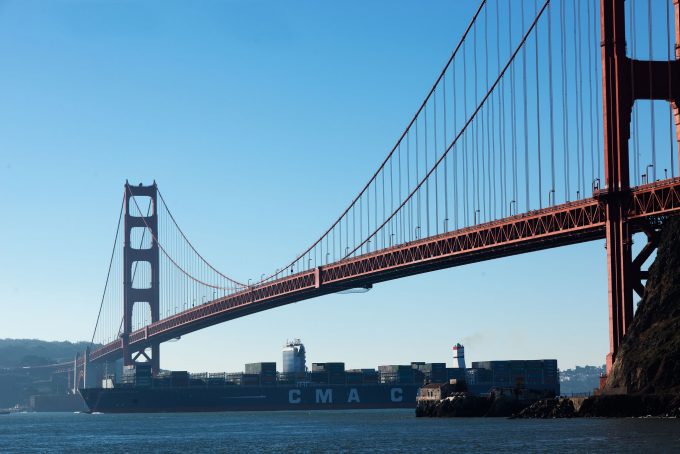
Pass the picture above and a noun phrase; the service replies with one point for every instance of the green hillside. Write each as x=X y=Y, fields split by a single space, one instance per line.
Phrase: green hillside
x=34 y=352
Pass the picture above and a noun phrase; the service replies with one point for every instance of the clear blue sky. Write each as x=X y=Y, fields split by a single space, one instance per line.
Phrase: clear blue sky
x=259 y=121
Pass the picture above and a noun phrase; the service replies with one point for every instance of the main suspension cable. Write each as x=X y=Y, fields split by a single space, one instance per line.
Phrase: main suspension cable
x=465 y=126
x=108 y=273
x=233 y=281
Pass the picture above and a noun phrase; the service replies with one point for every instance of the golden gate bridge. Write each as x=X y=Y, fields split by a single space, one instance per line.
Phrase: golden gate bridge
x=523 y=143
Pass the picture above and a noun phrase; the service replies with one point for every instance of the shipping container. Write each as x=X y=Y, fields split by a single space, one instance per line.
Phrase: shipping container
x=318 y=377
x=371 y=379
x=267 y=378
x=394 y=368
x=336 y=378
x=215 y=381
x=196 y=382
x=328 y=367
x=250 y=379
x=354 y=378
x=179 y=378
x=268 y=368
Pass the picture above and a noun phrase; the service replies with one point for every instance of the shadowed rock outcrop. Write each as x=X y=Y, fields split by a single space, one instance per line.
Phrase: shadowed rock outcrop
x=549 y=408
x=471 y=406
x=645 y=378
x=649 y=359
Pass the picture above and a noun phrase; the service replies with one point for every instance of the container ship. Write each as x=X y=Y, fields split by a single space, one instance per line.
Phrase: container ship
x=261 y=387
x=327 y=386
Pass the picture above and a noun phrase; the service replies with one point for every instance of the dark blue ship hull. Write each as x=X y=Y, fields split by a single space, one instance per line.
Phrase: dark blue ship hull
x=249 y=398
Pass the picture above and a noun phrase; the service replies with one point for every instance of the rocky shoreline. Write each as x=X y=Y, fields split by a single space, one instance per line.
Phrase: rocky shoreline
x=644 y=379
x=606 y=406
x=471 y=406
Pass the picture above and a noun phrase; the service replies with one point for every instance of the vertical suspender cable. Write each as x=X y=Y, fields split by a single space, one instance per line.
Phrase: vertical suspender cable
x=538 y=115
x=456 y=202
x=565 y=94
x=392 y=226
x=417 y=178
x=465 y=140
x=476 y=110
x=578 y=120
x=347 y=216
x=552 y=109
x=354 y=225
x=636 y=137
x=651 y=104
x=590 y=97
x=493 y=141
x=598 y=136
x=526 y=121
x=513 y=118
x=368 y=225
x=427 y=182
x=402 y=238
x=361 y=226
x=475 y=130
x=502 y=140
x=375 y=212
x=408 y=182
x=436 y=169
x=670 y=87
x=375 y=209
x=446 y=167
x=489 y=161
x=383 y=200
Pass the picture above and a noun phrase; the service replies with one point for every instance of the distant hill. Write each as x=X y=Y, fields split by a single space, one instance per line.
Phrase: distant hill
x=581 y=379
x=34 y=352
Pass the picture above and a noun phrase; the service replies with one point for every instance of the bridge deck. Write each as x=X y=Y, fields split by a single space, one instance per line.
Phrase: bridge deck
x=569 y=223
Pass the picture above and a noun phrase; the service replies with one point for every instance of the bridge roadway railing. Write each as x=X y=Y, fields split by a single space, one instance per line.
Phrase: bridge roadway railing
x=568 y=223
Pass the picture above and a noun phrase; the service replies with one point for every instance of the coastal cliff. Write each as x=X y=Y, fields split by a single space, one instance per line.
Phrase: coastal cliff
x=645 y=378
x=649 y=359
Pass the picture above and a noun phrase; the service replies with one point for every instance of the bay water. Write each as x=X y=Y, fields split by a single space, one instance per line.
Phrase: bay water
x=327 y=431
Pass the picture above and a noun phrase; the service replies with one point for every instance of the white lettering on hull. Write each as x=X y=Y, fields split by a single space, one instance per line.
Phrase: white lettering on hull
x=353 y=396
x=396 y=394
x=294 y=396
x=324 y=396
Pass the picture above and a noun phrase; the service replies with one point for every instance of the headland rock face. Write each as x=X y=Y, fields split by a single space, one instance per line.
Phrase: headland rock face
x=649 y=359
x=645 y=378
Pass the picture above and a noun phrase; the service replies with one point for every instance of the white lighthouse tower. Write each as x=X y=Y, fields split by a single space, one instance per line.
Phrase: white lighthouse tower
x=458 y=356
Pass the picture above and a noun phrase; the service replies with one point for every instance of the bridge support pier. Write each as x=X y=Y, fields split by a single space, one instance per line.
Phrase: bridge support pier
x=676 y=103
x=133 y=257
x=619 y=265
x=624 y=81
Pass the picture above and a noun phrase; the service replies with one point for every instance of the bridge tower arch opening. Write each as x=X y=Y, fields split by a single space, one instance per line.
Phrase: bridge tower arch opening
x=625 y=80
x=143 y=260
